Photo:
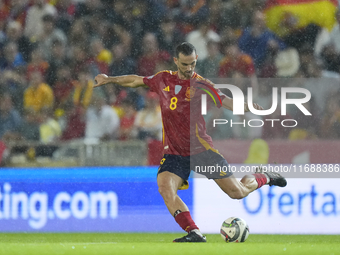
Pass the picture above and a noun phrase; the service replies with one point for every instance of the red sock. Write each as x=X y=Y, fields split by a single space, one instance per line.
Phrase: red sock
x=261 y=179
x=185 y=221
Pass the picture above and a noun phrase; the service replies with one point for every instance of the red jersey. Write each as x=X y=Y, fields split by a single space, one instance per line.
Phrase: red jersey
x=184 y=131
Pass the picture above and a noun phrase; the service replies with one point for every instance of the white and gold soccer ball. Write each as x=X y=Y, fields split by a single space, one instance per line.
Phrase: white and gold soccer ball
x=235 y=230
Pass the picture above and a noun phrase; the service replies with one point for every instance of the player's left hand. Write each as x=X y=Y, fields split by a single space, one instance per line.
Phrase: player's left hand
x=256 y=106
x=101 y=79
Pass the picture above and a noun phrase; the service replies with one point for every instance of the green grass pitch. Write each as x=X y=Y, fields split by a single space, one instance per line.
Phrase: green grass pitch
x=145 y=243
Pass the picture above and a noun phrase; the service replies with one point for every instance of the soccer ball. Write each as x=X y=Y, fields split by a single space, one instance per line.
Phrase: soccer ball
x=234 y=230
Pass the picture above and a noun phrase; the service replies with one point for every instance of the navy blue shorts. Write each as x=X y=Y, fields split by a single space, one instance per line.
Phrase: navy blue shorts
x=208 y=163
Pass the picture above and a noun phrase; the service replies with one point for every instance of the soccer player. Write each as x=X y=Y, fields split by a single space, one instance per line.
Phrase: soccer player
x=185 y=141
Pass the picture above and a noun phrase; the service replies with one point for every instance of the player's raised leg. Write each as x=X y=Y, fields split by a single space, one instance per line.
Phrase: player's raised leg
x=240 y=189
x=168 y=185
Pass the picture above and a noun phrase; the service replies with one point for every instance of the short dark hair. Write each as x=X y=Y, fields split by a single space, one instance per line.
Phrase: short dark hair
x=185 y=48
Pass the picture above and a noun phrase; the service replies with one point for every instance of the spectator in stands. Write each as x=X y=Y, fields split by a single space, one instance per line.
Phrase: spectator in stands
x=268 y=68
x=74 y=122
x=4 y=154
x=237 y=14
x=309 y=35
x=127 y=129
x=83 y=89
x=106 y=32
x=34 y=21
x=65 y=14
x=78 y=32
x=287 y=63
x=82 y=58
x=322 y=84
x=58 y=59
x=49 y=128
x=138 y=97
x=12 y=59
x=15 y=34
x=100 y=53
x=10 y=119
x=102 y=122
x=228 y=34
x=209 y=66
x=88 y=8
x=190 y=13
x=257 y=40
x=331 y=52
x=99 y=57
x=148 y=121
x=152 y=55
x=98 y=29
x=37 y=63
x=28 y=130
x=335 y=34
x=169 y=36
x=125 y=38
x=64 y=87
x=143 y=17
x=17 y=10
x=200 y=37
x=118 y=13
x=121 y=64
x=216 y=14
x=115 y=95
x=2 y=28
x=330 y=125
x=38 y=95
x=236 y=61
x=14 y=83
x=49 y=34
x=121 y=25
x=331 y=58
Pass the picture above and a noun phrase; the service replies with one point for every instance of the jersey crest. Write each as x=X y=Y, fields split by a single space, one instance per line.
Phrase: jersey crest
x=190 y=93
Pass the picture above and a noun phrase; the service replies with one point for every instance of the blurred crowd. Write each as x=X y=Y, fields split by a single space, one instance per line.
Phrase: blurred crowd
x=50 y=52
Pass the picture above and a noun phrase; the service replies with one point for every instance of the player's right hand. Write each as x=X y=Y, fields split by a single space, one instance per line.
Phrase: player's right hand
x=101 y=79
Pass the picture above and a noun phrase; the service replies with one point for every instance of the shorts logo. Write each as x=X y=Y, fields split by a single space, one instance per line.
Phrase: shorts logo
x=162 y=161
x=190 y=93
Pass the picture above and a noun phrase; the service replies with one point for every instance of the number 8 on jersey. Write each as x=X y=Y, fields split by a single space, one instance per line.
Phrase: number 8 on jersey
x=173 y=103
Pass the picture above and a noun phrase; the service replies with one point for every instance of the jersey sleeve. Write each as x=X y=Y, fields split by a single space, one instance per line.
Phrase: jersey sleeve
x=221 y=96
x=153 y=81
x=215 y=95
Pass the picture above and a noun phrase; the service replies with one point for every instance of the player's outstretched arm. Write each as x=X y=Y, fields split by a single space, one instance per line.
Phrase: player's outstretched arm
x=131 y=81
x=228 y=104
